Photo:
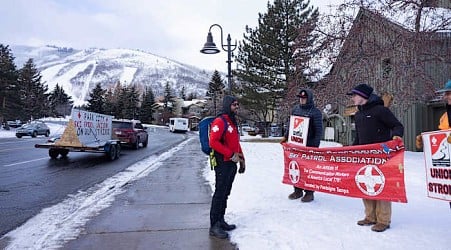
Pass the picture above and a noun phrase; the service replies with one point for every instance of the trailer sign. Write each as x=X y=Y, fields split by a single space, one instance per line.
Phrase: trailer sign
x=91 y=127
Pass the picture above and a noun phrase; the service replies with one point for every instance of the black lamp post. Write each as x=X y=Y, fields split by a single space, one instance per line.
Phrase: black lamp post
x=210 y=48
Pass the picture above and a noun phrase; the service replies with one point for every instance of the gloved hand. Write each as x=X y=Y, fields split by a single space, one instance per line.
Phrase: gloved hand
x=419 y=141
x=283 y=140
x=242 y=167
x=236 y=157
x=449 y=139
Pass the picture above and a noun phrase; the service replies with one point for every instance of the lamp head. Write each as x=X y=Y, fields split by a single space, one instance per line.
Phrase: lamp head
x=209 y=46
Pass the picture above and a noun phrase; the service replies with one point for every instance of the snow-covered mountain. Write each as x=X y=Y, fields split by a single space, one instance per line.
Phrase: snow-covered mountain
x=78 y=71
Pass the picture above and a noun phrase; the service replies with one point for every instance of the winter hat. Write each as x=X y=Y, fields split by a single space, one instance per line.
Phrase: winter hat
x=363 y=90
x=446 y=88
x=302 y=94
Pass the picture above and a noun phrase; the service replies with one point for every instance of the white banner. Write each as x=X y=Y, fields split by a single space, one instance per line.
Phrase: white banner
x=437 y=154
x=298 y=130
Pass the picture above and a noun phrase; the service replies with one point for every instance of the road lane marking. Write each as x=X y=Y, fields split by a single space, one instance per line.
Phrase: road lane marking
x=56 y=225
x=23 y=162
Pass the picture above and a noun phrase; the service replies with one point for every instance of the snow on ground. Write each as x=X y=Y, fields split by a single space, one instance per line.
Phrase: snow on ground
x=267 y=219
x=127 y=75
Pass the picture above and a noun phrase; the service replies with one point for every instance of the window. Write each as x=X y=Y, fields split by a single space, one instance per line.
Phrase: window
x=386 y=67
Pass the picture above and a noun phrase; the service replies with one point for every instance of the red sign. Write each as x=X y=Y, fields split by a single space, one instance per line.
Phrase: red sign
x=373 y=171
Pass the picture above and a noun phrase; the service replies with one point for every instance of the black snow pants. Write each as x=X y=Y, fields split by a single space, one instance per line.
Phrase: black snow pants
x=225 y=174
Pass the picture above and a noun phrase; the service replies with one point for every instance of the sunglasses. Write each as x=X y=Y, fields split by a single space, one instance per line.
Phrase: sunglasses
x=235 y=104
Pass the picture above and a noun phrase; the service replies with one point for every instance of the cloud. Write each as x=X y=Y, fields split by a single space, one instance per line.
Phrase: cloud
x=176 y=29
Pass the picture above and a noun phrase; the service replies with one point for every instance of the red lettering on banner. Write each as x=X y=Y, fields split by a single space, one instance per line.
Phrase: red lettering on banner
x=354 y=171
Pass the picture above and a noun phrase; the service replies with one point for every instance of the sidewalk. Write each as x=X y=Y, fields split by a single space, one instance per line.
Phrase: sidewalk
x=168 y=209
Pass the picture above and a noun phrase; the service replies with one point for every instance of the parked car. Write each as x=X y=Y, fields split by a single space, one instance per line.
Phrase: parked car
x=130 y=132
x=247 y=127
x=33 y=129
x=13 y=124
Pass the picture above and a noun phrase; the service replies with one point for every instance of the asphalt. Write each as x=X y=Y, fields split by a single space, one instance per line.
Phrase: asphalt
x=167 y=209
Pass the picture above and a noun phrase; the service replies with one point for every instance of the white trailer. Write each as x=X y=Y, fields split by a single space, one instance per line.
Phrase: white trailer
x=178 y=124
x=85 y=132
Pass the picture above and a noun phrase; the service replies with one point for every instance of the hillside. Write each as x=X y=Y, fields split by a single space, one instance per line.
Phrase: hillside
x=78 y=71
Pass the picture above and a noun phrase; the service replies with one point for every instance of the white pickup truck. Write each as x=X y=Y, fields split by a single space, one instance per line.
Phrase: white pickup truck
x=85 y=132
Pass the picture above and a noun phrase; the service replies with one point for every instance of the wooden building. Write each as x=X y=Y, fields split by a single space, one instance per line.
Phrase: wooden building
x=397 y=62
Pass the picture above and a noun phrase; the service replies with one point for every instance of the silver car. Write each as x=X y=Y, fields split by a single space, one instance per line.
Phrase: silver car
x=33 y=129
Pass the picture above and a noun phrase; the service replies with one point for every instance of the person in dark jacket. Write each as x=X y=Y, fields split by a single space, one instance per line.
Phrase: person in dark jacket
x=306 y=108
x=228 y=153
x=374 y=123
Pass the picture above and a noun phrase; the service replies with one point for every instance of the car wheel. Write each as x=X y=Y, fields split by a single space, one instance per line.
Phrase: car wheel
x=47 y=133
x=64 y=153
x=118 y=149
x=136 y=145
x=112 y=153
x=34 y=134
x=146 y=142
x=53 y=153
x=19 y=136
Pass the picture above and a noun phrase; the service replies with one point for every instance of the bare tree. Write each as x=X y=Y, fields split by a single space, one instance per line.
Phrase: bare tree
x=401 y=47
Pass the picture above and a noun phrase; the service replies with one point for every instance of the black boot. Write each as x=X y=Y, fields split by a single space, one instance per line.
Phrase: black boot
x=226 y=226
x=218 y=232
x=308 y=197
x=296 y=194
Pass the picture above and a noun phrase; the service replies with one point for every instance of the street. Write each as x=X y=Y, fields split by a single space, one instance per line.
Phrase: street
x=31 y=181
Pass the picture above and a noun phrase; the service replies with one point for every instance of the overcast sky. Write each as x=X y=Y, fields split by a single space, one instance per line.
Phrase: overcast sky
x=176 y=29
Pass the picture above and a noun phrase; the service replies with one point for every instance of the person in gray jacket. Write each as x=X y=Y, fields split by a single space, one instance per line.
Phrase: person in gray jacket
x=307 y=108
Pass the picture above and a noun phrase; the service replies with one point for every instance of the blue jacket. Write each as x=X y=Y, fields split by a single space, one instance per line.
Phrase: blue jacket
x=315 y=131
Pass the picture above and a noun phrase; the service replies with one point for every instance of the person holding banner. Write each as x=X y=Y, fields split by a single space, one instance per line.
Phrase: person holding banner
x=445 y=119
x=307 y=108
x=228 y=152
x=374 y=123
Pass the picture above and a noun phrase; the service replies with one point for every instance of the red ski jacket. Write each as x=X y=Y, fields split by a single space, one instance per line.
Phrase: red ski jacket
x=228 y=145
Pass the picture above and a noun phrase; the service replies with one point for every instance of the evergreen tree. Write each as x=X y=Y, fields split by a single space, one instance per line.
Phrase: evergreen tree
x=60 y=102
x=128 y=103
x=32 y=92
x=134 y=99
x=183 y=93
x=267 y=56
x=9 y=98
x=168 y=98
x=168 y=103
x=110 y=102
x=215 y=91
x=96 y=102
x=146 y=111
x=191 y=96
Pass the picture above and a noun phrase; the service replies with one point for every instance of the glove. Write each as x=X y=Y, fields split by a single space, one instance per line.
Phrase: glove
x=283 y=140
x=236 y=157
x=419 y=141
x=242 y=167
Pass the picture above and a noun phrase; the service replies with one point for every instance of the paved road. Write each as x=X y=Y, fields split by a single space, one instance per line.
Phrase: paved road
x=31 y=181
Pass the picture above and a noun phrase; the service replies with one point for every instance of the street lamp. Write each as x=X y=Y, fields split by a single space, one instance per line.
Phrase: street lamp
x=210 y=48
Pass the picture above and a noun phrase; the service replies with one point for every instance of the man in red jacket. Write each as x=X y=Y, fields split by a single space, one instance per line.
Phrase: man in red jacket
x=228 y=153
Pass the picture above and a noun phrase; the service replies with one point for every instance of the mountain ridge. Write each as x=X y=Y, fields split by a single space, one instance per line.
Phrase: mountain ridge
x=77 y=71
